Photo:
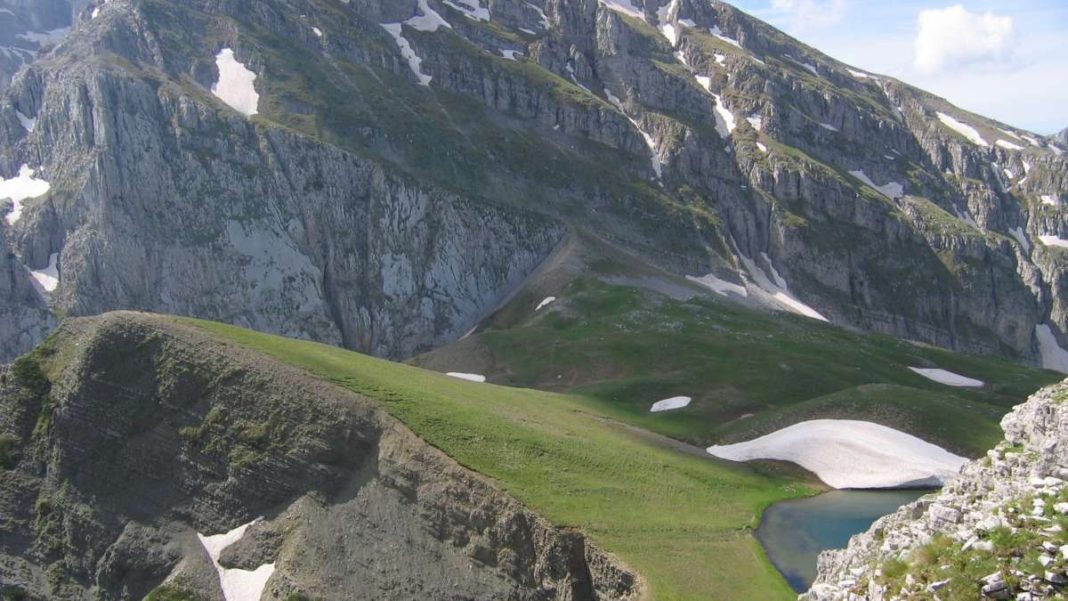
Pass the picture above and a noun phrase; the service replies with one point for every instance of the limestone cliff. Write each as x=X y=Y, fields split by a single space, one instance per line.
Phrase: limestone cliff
x=409 y=162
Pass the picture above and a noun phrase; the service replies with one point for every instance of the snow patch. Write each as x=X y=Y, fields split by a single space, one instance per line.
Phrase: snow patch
x=45 y=38
x=778 y=289
x=47 y=280
x=1049 y=199
x=720 y=287
x=1053 y=355
x=469 y=377
x=658 y=165
x=851 y=454
x=671 y=404
x=963 y=129
x=27 y=123
x=237 y=585
x=756 y=121
x=541 y=15
x=20 y=188
x=510 y=54
x=625 y=7
x=1008 y=145
x=725 y=123
x=716 y=31
x=858 y=74
x=235 y=86
x=828 y=126
x=472 y=9
x=892 y=190
x=548 y=300
x=721 y=59
x=948 y=378
x=318 y=32
x=1054 y=241
x=1021 y=237
x=427 y=20
x=762 y=148
x=705 y=81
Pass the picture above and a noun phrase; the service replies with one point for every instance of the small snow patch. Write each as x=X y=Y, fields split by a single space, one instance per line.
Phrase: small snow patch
x=721 y=59
x=654 y=155
x=47 y=280
x=510 y=54
x=705 y=81
x=20 y=188
x=1053 y=355
x=1021 y=237
x=1049 y=199
x=963 y=129
x=472 y=9
x=236 y=584
x=948 y=378
x=828 y=126
x=671 y=404
x=1008 y=145
x=469 y=377
x=318 y=32
x=851 y=454
x=716 y=31
x=548 y=300
x=725 y=123
x=720 y=287
x=27 y=123
x=625 y=7
x=235 y=86
x=892 y=190
x=1054 y=241
x=541 y=15
x=756 y=121
x=762 y=148
x=858 y=74
x=777 y=288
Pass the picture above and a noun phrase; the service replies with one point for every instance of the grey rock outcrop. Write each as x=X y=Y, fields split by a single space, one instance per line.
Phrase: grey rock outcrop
x=362 y=208
x=146 y=433
x=1019 y=486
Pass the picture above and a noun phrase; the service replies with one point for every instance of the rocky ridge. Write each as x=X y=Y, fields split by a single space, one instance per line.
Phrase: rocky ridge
x=124 y=437
x=411 y=162
x=998 y=531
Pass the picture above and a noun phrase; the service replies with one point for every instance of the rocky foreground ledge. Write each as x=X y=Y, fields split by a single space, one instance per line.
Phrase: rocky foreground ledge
x=997 y=531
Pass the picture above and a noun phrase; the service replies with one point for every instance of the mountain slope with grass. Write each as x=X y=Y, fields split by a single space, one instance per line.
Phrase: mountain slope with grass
x=126 y=436
x=626 y=335
x=381 y=175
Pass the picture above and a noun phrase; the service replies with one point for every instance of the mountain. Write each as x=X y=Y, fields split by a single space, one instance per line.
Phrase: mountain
x=383 y=175
x=129 y=443
x=1061 y=137
x=995 y=533
x=30 y=27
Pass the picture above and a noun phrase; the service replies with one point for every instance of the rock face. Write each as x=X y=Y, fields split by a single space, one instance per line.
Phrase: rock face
x=127 y=435
x=1004 y=513
x=410 y=162
x=1061 y=137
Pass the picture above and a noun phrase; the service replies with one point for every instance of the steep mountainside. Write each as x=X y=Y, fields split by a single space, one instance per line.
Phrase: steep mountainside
x=399 y=167
x=1062 y=137
x=125 y=437
x=29 y=27
x=999 y=531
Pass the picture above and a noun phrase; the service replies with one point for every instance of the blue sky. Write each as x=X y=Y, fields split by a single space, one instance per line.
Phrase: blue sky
x=1004 y=59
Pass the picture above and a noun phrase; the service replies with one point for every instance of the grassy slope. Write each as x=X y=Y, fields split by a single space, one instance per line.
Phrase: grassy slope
x=682 y=521
x=625 y=348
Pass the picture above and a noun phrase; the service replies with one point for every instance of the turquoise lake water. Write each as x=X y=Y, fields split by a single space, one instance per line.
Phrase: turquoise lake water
x=794 y=532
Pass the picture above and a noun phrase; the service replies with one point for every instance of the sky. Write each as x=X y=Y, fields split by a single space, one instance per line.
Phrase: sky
x=1006 y=59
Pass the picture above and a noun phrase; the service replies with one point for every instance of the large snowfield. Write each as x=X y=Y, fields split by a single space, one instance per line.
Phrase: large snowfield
x=22 y=187
x=851 y=454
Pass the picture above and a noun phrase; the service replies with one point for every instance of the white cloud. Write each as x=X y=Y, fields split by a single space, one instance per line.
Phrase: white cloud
x=810 y=14
x=952 y=37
